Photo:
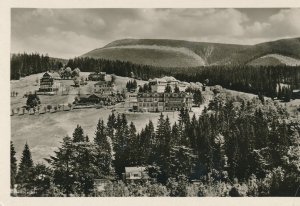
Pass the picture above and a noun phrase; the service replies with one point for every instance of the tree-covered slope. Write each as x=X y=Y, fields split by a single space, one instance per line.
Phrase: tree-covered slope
x=179 y=53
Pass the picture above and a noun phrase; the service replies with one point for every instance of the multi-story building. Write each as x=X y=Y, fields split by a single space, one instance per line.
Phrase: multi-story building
x=104 y=87
x=46 y=83
x=159 y=84
x=159 y=102
x=97 y=76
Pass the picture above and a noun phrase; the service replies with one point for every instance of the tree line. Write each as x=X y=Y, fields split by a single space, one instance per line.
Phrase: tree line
x=271 y=81
x=236 y=147
x=24 y=64
x=263 y=80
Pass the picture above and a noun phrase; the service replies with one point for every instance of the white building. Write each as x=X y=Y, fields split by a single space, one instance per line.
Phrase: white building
x=159 y=84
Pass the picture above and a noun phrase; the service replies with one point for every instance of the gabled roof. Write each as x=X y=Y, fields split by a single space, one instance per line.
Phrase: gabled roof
x=93 y=96
x=47 y=75
x=135 y=169
x=103 y=83
x=89 y=96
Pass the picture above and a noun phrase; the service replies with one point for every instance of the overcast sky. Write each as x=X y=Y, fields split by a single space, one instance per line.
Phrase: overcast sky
x=67 y=33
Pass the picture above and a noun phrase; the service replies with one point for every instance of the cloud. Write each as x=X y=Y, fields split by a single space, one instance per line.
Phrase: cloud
x=64 y=44
x=72 y=32
x=285 y=23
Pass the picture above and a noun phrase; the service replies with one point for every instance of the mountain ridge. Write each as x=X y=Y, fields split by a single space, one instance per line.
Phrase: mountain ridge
x=180 y=53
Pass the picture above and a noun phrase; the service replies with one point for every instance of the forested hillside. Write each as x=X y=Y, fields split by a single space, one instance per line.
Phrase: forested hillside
x=22 y=65
x=152 y=51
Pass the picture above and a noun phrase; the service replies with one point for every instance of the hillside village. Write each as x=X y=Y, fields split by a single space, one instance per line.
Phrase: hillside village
x=51 y=94
x=98 y=90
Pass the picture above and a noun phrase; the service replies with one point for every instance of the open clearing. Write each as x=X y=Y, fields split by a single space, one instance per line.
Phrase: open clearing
x=45 y=132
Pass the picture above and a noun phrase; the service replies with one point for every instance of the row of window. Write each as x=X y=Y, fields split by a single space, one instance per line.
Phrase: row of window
x=151 y=104
x=45 y=86
x=104 y=85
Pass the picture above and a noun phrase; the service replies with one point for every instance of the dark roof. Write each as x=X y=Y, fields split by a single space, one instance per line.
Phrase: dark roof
x=89 y=96
x=103 y=83
x=93 y=96
x=46 y=75
x=135 y=169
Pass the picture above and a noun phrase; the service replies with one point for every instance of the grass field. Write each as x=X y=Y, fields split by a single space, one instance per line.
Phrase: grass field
x=44 y=132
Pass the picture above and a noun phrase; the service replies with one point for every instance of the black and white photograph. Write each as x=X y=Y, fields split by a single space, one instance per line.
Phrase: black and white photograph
x=154 y=102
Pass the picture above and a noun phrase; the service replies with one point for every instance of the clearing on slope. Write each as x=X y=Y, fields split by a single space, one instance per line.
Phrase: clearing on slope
x=154 y=55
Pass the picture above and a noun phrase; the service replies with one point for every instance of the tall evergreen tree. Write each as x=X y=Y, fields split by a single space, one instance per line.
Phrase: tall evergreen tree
x=13 y=165
x=78 y=134
x=132 y=151
x=101 y=135
x=111 y=124
x=103 y=150
x=121 y=144
x=63 y=167
x=24 y=175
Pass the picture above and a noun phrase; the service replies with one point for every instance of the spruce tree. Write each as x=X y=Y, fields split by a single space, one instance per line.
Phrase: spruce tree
x=103 y=150
x=111 y=123
x=63 y=167
x=101 y=133
x=133 y=147
x=121 y=144
x=13 y=165
x=24 y=175
x=78 y=134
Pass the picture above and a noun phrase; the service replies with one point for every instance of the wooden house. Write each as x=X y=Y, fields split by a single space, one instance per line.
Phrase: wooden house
x=135 y=174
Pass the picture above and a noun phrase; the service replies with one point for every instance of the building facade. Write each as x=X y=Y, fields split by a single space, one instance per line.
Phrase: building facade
x=159 y=84
x=159 y=102
x=97 y=76
x=134 y=174
x=46 y=83
x=104 y=87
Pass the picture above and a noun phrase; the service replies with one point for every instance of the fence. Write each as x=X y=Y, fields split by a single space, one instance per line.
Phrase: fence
x=41 y=109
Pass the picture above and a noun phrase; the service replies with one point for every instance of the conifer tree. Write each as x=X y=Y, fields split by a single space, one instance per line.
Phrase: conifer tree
x=160 y=127
x=121 y=144
x=24 y=175
x=103 y=150
x=13 y=165
x=78 y=134
x=133 y=146
x=111 y=124
x=101 y=133
x=147 y=142
x=175 y=134
x=63 y=166
x=42 y=180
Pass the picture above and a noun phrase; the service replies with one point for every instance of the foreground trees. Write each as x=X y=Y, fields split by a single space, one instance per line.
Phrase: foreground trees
x=25 y=171
x=236 y=147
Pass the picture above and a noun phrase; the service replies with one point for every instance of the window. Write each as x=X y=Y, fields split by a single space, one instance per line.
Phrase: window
x=135 y=175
